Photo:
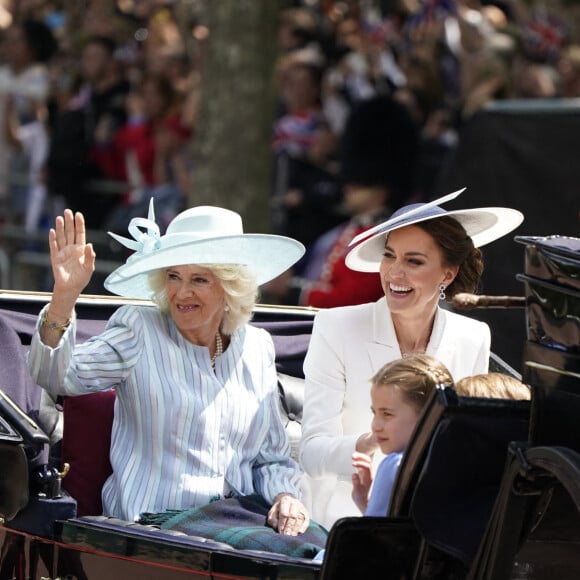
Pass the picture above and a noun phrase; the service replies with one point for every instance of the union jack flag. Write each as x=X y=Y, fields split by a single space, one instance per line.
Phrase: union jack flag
x=429 y=11
x=544 y=35
x=433 y=10
x=379 y=32
x=437 y=9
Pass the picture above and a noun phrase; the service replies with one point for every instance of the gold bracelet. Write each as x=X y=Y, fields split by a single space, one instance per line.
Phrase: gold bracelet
x=54 y=325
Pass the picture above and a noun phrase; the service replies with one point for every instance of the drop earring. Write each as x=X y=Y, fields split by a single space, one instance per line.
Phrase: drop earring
x=442 y=292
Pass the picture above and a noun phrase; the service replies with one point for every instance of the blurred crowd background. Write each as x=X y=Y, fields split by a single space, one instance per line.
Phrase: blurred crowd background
x=99 y=104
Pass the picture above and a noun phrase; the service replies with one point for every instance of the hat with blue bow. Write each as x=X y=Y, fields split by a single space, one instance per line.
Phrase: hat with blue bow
x=202 y=235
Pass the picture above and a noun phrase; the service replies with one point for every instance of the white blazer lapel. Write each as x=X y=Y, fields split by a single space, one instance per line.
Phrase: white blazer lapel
x=442 y=343
x=383 y=345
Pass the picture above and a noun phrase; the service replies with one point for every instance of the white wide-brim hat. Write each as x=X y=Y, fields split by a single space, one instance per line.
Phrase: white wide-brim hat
x=200 y=235
x=483 y=225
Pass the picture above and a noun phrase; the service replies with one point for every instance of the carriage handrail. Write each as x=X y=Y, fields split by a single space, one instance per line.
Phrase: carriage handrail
x=467 y=301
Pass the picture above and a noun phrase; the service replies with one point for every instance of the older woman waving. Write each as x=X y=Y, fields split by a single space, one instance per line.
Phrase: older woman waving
x=196 y=415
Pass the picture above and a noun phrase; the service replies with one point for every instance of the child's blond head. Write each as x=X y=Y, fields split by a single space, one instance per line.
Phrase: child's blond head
x=415 y=377
x=492 y=385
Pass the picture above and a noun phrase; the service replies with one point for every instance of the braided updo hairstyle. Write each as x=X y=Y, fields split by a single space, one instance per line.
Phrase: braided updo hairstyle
x=458 y=250
x=415 y=377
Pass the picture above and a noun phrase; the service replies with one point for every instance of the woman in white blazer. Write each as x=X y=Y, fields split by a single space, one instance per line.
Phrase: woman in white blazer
x=424 y=255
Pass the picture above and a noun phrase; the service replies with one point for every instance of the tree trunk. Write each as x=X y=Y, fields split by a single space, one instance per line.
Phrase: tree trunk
x=231 y=147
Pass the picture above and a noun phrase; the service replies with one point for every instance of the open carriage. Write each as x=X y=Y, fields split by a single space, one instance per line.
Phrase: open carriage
x=488 y=489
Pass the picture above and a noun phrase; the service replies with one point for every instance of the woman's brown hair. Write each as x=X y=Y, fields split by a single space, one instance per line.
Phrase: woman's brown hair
x=458 y=250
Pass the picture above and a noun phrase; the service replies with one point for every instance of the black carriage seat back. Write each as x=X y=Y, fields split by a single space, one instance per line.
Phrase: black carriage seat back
x=371 y=547
x=415 y=453
x=460 y=478
x=534 y=531
x=554 y=378
x=450 y=474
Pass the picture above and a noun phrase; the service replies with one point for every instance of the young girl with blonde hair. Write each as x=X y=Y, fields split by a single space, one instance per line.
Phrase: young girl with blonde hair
x=399 y=392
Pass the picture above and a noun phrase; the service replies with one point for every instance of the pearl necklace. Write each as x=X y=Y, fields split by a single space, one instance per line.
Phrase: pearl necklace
x=219 y=348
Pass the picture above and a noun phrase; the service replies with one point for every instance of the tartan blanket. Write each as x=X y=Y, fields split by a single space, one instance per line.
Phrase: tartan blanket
x=241 y=523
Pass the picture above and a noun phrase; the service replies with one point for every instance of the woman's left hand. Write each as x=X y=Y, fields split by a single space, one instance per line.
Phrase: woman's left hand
x=288 y=515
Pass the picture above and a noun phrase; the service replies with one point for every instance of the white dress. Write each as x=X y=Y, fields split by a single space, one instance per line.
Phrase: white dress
x=348 y=345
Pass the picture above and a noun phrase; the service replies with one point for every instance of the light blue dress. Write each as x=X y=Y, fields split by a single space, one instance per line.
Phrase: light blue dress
x=182 y=435
x=380 y=492
x=383 y=485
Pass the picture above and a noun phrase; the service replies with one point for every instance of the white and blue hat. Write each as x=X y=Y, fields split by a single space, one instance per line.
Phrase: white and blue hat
x=483 y=225
x=200 y=235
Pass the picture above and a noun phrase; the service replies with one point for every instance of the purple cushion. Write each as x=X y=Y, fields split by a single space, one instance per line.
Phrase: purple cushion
x=85 y=446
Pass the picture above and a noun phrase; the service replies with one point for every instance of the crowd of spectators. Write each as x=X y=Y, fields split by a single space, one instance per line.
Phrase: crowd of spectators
x=443 y=60
x=100 y=119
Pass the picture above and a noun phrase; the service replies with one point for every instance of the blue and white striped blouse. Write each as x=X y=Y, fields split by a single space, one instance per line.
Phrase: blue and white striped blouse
x=182 y=434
